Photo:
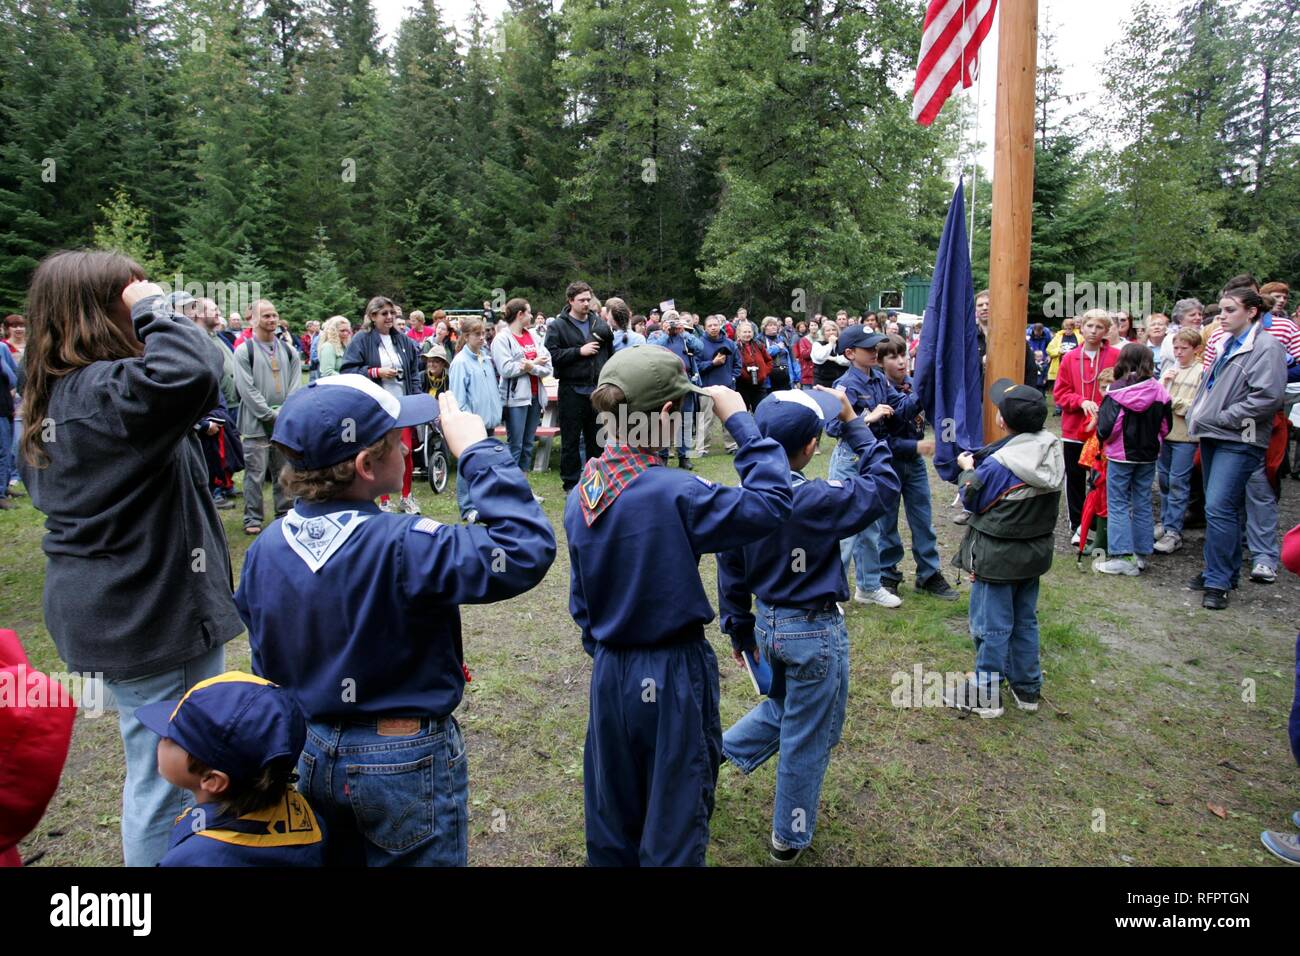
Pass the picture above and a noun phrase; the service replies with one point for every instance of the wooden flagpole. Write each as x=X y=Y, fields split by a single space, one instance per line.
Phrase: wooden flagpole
x=1013 y=198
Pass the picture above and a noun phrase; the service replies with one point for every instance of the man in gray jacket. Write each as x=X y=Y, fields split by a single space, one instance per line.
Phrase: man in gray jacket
x=1232 y=417
x=266 y=373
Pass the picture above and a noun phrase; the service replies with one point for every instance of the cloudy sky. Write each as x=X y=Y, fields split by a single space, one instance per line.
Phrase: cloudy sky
x=1084 y=28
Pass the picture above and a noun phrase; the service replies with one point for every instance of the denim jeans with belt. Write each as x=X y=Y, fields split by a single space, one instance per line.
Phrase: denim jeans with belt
x=813 y=649
x=1226 y=467
x=389 y=800
x=864 y=547
x=150 y=805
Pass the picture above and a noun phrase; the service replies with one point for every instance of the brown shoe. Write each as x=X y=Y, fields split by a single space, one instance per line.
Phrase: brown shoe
x=252 y=529
x=7 y=505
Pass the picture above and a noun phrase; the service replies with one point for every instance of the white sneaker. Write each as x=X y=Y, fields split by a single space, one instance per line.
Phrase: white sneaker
x=879 y=596
x=1127 y=565
x=1159 y=531
x=471 y=516
x=966 y=698
x=1074 y=540
x=1170 y=542
x=538 y=498
x=409 y=506
x=1261 y=573
x=386 y=506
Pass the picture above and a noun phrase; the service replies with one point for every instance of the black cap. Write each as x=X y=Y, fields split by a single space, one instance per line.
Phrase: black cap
x=1023 y=407
x=857 y=337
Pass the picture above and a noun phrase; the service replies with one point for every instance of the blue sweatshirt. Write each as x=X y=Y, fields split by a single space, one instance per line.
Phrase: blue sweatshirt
x=865 y=391
x=473 y=380
x=904 y=431
x=656 y=531
x=798 y=565
x=357 y=613
x=724 y=374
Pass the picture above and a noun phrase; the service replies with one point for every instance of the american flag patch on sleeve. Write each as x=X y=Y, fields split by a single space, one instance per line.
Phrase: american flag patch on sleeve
x=427 y=525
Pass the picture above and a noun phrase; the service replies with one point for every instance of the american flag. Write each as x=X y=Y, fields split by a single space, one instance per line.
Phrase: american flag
x=954 y=30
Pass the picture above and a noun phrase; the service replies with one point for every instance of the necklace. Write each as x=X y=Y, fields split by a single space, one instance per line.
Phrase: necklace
x=272 y=354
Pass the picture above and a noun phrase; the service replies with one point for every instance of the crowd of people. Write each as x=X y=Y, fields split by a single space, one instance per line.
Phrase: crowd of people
x=140 y=408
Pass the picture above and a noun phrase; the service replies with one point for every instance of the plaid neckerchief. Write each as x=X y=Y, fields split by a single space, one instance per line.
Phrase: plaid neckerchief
x=604 y=478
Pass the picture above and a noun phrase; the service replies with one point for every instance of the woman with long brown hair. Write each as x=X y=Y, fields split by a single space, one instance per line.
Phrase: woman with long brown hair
x=137 y=578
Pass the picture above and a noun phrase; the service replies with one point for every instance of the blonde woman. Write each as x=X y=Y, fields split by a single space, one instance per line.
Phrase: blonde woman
x=334 y=338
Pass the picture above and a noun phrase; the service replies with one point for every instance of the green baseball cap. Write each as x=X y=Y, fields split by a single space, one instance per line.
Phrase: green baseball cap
x=649 y=375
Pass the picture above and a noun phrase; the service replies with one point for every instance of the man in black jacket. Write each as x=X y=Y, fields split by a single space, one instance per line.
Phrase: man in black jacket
x=580 y=343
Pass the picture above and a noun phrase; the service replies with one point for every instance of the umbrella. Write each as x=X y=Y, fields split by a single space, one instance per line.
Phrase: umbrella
x=1094 y=503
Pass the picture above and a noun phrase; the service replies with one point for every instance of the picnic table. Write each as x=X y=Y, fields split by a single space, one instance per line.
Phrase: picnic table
x=547 y=427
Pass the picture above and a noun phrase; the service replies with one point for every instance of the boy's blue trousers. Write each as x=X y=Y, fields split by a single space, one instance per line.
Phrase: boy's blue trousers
x=654 y=743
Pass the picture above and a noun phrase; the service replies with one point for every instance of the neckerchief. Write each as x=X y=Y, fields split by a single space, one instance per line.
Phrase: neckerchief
x=604 y=478
x=317 y=539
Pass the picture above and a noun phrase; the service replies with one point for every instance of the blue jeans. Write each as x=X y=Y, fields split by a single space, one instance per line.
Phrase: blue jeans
x=150 y=805
x=1261 y=520
x=1004 y=624
x=864 y=547
x=389 y=800
x=1130 y=527
x=521 y=432
x=1174 y=470
x=7 y=461
x=1226 y=467
x=813 y=648
x=916 y=501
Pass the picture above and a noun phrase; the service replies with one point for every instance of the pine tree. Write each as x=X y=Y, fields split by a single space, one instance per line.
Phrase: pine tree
x=325 y=292
x=125 y=228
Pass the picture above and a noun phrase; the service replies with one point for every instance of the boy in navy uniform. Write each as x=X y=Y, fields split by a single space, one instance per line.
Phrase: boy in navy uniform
x=1012 y=492
x=233 y=742
x=796 y=624
x=654 y=736
x=356 y=612
x=908 y=447
x=868 y=389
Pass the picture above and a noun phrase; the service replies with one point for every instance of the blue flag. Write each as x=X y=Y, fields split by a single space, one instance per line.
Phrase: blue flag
x=949 y=377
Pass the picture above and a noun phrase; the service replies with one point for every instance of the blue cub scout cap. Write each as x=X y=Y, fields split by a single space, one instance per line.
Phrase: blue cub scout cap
x=335 y=418
x=857 y=337
x=235 y=723
x=794 y=418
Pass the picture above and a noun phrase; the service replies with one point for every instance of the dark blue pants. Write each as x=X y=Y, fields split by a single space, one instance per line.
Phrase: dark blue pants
x=654 y=743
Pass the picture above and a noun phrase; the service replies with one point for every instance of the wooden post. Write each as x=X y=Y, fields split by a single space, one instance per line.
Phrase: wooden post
x=1013 y=198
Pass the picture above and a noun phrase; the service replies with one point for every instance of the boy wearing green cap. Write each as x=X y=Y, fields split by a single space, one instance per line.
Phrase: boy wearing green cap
x=654 y=737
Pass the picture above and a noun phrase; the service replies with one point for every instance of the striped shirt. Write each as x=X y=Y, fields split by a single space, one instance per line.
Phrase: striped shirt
x=1278 y=326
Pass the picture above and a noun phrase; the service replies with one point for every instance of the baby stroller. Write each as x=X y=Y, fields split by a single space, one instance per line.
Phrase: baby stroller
x=430 y=457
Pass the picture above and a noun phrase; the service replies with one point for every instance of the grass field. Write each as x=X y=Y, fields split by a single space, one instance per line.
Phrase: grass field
x=1150 y=723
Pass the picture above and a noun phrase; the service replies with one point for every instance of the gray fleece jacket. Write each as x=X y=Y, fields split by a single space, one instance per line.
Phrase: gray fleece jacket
x=1248 y=390
x=137 y=577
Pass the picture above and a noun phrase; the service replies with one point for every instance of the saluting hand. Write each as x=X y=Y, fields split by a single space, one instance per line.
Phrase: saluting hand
x=726 y=401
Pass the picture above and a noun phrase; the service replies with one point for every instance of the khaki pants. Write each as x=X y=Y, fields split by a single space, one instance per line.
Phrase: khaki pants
x=704 y=424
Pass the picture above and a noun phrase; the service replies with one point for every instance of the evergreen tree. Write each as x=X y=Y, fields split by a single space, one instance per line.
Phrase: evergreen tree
x=325 y=291
x=125 y=229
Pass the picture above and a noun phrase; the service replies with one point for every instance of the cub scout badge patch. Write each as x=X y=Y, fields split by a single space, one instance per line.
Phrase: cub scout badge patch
x=319 y=538
x=604 y=478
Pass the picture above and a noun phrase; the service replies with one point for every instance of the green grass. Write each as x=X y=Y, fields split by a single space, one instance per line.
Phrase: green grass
x=1145 y=712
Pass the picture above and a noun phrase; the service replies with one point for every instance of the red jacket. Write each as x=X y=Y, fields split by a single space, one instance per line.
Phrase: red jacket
x=803 y=352
x=1071 y=392
x=751 y=353
x=33 y=745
